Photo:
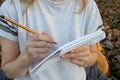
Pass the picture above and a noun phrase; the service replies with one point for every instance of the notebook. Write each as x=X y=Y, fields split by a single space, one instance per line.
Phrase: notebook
x=55 y=56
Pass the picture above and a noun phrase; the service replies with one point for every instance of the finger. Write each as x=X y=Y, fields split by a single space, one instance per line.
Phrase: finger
x=80 y=58
x=74 y=55
x=47 y=34
x=46 y=38
x=81 y=63
x=33 y=37
x=38 y=50
x=81 y=48
x=39 y=56
x=38 y=37
x=41 y=37
x=39 y=44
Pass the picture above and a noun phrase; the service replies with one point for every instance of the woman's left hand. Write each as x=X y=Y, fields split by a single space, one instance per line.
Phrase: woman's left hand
x=79 y=55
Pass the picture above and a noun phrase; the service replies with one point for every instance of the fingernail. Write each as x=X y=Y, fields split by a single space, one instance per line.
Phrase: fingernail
x=86 y=58
x=62 y=56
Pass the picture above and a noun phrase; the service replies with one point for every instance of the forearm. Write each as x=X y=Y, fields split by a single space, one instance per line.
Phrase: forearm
x=16 y=68
x=16 y=64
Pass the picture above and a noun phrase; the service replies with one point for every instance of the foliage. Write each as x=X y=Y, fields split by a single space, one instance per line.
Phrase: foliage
x=111 y=47
x=1 y=1
x=110 y=11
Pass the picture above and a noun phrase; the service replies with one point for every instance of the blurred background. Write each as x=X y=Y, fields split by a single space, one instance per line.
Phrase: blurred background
x=110 y=12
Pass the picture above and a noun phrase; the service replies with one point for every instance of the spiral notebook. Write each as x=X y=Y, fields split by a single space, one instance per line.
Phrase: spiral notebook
x=54 y=57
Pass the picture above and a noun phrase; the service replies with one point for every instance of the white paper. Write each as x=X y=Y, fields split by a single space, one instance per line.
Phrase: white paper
x=54 y=57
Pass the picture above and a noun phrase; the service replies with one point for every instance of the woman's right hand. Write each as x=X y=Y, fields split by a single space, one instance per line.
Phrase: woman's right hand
x=38 y=47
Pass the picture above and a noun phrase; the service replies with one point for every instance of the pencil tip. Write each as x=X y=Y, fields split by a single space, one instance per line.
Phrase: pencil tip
x=2 y=16
x=55 y=43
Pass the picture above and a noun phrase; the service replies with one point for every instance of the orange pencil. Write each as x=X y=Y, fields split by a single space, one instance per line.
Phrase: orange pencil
x=21 y=26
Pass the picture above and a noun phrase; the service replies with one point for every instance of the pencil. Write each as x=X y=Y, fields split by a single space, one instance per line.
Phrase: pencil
x=21 y=26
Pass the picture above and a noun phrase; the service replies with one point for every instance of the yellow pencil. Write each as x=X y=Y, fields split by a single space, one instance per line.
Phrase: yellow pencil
x=21 y=26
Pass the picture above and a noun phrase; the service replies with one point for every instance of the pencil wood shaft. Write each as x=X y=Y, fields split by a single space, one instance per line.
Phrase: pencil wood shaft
x=21 y=26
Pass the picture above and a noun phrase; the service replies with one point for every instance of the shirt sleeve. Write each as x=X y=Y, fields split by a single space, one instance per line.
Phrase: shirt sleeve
x=7 y=29
x=93 y=20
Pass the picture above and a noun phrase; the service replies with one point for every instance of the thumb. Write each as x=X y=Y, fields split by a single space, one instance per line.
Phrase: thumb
x=46 y=32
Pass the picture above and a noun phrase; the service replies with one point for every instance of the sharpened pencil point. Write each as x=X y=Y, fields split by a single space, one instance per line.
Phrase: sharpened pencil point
x=55 y=43
x=3 y=17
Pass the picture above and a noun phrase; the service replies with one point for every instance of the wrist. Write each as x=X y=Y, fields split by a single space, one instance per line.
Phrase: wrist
x=26 y=60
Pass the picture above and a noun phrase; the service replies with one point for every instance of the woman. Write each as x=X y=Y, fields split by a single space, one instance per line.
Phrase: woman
x=58 y=21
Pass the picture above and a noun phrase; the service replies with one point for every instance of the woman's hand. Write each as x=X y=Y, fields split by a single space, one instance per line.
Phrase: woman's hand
x=38 y=46
x=81 y=56
x=16 y=64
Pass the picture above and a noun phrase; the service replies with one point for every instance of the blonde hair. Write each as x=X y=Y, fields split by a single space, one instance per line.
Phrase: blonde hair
x=30 y=2
x=84 y=4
